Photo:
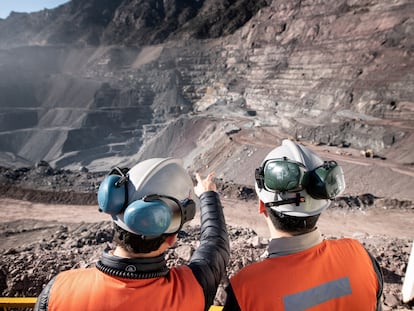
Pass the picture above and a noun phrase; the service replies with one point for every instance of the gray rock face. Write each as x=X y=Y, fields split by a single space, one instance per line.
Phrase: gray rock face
x=97 y=83
x=128 y=23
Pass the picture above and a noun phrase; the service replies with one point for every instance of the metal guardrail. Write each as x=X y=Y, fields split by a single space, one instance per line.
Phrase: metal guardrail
x=29 y=302
x=17 y=302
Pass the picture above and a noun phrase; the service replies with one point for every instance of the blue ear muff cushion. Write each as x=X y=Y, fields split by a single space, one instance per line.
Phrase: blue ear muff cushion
x=111 y=198
x=148 y=218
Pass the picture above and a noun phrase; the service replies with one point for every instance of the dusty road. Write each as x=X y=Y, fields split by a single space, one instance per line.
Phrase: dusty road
x=397 y=223
x=388 y=233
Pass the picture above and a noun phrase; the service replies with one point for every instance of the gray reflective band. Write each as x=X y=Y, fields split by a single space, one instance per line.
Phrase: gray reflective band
x=317 y=295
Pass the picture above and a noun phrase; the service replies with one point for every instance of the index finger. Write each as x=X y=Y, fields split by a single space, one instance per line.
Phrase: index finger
x=198 y=178
x=210 y=176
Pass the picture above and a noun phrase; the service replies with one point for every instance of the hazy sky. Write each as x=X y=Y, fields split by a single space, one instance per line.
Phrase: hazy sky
x=6 y=6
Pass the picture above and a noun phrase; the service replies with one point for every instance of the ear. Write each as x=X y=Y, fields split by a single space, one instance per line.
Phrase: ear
x=262 y=209
x=171 y=239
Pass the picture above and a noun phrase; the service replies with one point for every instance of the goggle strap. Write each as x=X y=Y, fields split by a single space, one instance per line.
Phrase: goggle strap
x=259 y=176
x=297 y=200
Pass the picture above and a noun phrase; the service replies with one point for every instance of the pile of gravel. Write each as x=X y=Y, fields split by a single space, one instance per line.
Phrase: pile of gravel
x=26 y=268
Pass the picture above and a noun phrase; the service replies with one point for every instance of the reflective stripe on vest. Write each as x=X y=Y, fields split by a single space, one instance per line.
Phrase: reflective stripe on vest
x=333 y=275
x=317 y=295
x=90 y=289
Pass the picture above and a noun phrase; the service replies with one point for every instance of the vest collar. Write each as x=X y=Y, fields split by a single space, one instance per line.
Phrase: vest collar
x=290 y=245
x=132 y=268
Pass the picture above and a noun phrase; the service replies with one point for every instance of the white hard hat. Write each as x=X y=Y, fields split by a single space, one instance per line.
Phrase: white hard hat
x=287 y=202
x=165 y=176
x=155 y=196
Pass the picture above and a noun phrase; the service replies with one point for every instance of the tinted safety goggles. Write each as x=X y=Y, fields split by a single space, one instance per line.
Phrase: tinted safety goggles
x=284 y=175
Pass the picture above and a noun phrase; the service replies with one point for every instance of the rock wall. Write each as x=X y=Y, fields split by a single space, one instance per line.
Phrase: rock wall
x=329 y=72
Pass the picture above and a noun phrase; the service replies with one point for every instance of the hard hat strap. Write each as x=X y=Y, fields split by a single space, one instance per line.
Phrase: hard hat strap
x=296 y=200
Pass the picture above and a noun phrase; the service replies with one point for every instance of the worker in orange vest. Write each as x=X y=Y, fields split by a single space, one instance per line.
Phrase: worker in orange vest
x=302 y=270
x=149 y=205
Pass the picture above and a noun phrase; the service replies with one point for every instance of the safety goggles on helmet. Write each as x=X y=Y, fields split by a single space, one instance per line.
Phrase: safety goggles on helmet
x=284 y=175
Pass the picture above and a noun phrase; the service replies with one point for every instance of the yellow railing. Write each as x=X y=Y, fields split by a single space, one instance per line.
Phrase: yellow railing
x=17 y=302
x=29 y=302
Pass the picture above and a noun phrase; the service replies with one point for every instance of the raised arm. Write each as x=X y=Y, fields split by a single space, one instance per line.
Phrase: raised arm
x=209 y=261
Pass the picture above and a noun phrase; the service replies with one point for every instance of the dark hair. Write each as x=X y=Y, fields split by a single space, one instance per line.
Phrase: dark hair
x=292 y=224
x=135 y=243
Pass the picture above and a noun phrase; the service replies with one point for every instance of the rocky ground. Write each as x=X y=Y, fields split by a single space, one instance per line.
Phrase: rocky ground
x=51 y=231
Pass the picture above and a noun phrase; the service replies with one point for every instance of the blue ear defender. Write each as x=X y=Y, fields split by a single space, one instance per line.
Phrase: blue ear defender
x=282 y=175
x=148 y=218
x=153 y=215
x=112 y=193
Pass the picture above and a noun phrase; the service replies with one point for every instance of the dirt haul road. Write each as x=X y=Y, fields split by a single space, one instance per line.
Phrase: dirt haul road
x=393 y=223
x=33 y=230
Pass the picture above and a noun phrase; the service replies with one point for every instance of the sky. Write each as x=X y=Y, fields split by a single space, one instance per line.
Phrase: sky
x=28 y=6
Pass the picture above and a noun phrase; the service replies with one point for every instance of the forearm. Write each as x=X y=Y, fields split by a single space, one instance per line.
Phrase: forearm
x=231 y=303
x=380 y=278
x=42 y=303
x=210 y=259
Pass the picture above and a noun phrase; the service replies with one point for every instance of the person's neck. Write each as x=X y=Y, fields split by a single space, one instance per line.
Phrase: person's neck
x=121 y=252
x=275 y=234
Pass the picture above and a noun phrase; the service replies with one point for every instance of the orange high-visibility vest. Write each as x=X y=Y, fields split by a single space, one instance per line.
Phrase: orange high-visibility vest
x=91 y=290
x=333 y=275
